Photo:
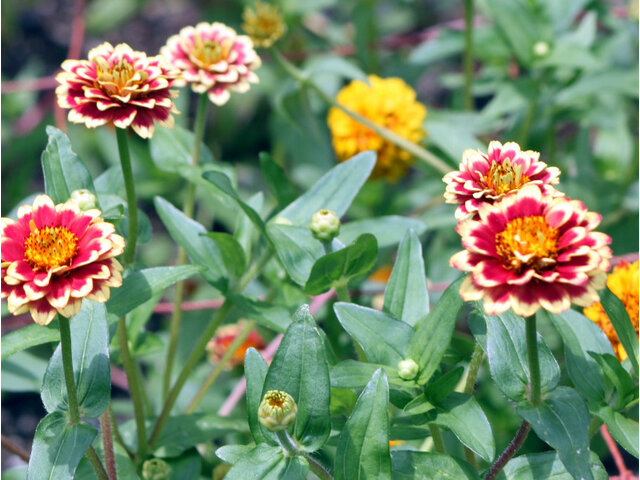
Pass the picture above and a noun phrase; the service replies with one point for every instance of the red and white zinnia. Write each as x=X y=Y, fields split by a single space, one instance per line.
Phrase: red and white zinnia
x=118 y=86
x=531 y=251
x=487 y=178
x=53 y=256
x=213 y=59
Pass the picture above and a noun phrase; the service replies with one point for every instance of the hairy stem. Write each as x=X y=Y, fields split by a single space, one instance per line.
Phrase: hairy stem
x=107 y=442
x=509 y=452
x=94 y=459
x=129 y=185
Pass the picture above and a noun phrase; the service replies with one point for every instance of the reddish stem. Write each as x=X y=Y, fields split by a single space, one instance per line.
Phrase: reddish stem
x=625 y=473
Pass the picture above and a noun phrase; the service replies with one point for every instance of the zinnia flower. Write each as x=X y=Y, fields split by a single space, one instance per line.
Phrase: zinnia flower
x=623 y=282
x=120 y=86
x=223 y=338
x=532 y=250
x=388 y=102
x=487 y=178
x=264 y=24
x=53 y=256
x=213 y=59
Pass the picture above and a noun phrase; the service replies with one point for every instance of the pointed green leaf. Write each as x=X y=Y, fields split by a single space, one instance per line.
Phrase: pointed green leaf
x=269 y=315
x=58 y=447
x=63 y=170
x=433 y=332
x=278 y=183
x=300 y=368
x=232 y=252
x=624 y=430
x=562 y=420
x=255 y=371
x=245 y=231
x=388 y=230
x=618 y=376
x=406 y=297
x=265 y=462
x=412 y=465
x=91 y=368
x=363 y=446
x=619 y=317
x=29 y=336
x=355 y=375
x=335 y=190
x=383 y=339
x=545 y=466
x=338 y=268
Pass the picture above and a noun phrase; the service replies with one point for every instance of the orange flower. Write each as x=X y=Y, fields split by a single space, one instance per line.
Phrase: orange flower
x=623 y=282
x=223 y=338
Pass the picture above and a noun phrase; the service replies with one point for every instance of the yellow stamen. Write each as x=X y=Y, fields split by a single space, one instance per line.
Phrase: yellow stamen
x=505 y=177
x=528 y=242
x=210 y=52
x=49 y=247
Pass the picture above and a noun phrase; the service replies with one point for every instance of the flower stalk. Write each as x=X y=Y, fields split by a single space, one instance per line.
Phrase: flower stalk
x=288 y=444
x=468 y=54
x=127 y=173
x=472 y=374
x=534 y=363
x=107 y=442
x=436 y=435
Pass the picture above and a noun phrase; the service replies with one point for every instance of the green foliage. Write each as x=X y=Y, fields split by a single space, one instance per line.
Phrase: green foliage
x=619 y=317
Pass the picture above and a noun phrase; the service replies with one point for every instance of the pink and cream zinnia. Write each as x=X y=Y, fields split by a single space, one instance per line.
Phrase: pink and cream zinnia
x=531 y=251
x=213 y=59
x=53 y=256
x=118 y=86
x=487 y=178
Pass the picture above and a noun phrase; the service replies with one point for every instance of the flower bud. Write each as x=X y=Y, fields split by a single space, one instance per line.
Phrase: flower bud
x=325 y=225
x=264 y=24
x=277 y=411
x=83 y=199
x=541 y=49
x=155 y=469
x=408 y=369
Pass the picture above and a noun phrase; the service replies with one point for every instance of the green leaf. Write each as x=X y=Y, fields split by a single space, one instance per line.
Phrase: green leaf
x=624 y=430
x=545 y=466
x=63 y=170
x=338 y=268
x=142 y=285
x=23 y=373
x=334 y=191
x=172 y=149
x=187 y=465
x=462 y=414
x=188 y=234
x=562 y=421
x=255 y=371
x=269 y=315
x=222 y=182
x=245 y=232
x=618 y=376
x=277 y=182
x=406 y=297
x=389 y=230
x=440 y=388
x=619 y=317
x=433 y=332
x=384 y=339
x=300 y=368
x=91 y=368
x=363 y=446
x=355 y=375
x=58 y=446
x=29 y=336
x=231 y=251
x=233 y=453
x=507 y=355
x=580 y=336
x=265 y=462
x=321 y=65
x=412 y=465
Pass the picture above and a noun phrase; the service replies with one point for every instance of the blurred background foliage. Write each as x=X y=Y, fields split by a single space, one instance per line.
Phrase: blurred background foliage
x=559 y=77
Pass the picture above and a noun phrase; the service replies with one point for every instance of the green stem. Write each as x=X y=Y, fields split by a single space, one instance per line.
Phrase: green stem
x=107 y=443
x=472 y=374
x=134 y=388
x=67 y=367
x=289 y=445
x=94 y=459
x=527 y=122
x=317 y=468
x=468 y=54
x=436 y=435
x=231 y=350
x=188 y=208
x=393 y=137
x=116 y=431
x=342 y=293
x=132 y=207
x=532 y=356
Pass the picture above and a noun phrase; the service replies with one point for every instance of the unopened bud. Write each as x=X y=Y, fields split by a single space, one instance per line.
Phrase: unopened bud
x=277 y=411
x=155 y=469
x=541 y=49
x=263 y=23
x=83 y=199
x=325 y=225
x=407 y=369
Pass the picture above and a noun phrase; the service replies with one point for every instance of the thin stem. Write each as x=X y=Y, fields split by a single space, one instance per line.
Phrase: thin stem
x=134 y=388
x=287 y=443
x=94 y=459
x=436 y=435
x=509 y=452
x=615 y=452
x=127 y=173
x=527 y=122
x=67 y=367
x=317 y=468
x=228 y=354
x=385 y=133
x=187 y=209
x=472 y=374
x=532 y=356
x=16 y=449
x=116 y=432
x=468 y=53
x=107 y=443
x=343 y=293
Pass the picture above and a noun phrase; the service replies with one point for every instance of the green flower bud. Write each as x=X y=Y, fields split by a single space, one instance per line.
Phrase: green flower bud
x=325 y=225
x=155 y=469
x=83 y=199
x=408 y=369
x=277 y=411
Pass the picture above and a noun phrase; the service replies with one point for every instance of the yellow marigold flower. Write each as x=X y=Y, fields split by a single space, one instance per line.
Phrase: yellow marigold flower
x=264 y=24
x=388 y=102
x=623 y=282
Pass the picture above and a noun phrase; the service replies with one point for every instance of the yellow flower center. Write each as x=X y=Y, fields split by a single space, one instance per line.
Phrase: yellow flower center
x=505 y=177
x=276 y=399
x=49 y=247
x=528 y=242
x=118 y=79
x=210 y=52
